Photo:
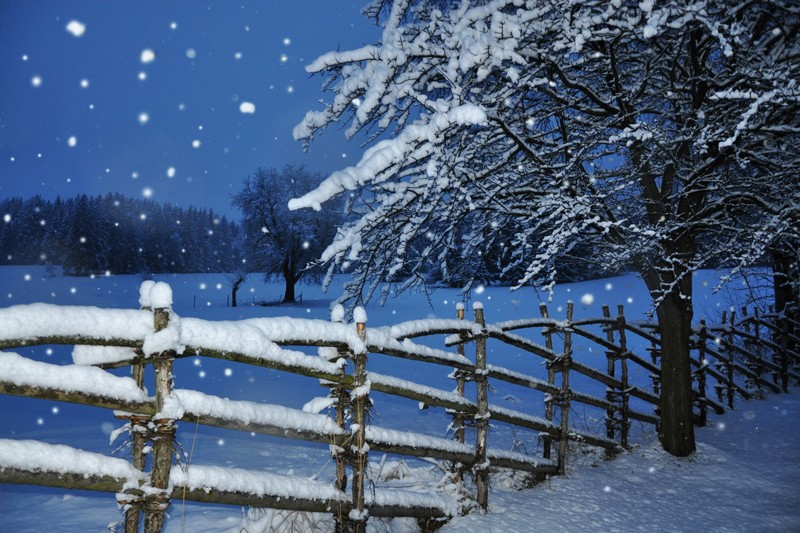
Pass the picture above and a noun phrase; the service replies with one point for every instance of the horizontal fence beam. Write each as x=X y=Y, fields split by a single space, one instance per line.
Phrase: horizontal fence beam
x=80 y=481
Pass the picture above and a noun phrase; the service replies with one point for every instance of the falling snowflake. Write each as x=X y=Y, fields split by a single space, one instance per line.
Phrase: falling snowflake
x=148 y=56
x=76 y=28
x=196 y=143
x=228 y=372
x=247 y=108
x=72 y=141
x=587 y=299
x=191 y=53
x=36 y=81
x=147 y=192
x=84 y=83
x=144 y=118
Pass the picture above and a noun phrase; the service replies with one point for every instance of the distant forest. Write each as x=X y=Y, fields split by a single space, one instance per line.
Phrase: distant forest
x=94 y=235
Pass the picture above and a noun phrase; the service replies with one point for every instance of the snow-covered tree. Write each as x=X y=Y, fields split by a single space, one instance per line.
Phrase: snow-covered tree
x=279 y=242
x=662 y=134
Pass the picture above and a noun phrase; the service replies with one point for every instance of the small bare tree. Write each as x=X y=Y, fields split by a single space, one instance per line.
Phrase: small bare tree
x=278 y=242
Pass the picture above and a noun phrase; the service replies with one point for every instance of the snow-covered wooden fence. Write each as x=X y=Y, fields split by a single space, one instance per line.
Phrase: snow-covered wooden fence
x=748 y=355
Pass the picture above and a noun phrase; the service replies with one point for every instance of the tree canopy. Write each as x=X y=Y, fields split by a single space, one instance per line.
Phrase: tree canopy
x=664 y=136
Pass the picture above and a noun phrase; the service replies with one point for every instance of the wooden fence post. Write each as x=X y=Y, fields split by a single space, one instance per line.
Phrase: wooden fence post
x=481 y=467
x=563 y=362
x=748 y=346
x=720 y=364
x=783 y=356
x=655 y=357
x=359 y=398
x=138 y=428
x=551 y=379
x=611 y=357
x=340 y=397
x=702 y=401
x=730 y=368
x=163 y=432
x=625 y=393
x=459 y=419
x=759 y=350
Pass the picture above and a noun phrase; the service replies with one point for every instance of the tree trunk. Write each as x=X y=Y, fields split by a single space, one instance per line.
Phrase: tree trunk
x=785 y=282
x=234 y=290
x=675 y=312
x=288 y=294
x=787 y=303
x=676 y=430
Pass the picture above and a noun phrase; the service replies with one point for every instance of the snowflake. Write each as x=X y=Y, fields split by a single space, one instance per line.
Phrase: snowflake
x=76 y=28
x=148 y=56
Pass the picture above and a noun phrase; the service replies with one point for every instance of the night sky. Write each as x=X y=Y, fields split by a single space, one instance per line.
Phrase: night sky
x=177 y=101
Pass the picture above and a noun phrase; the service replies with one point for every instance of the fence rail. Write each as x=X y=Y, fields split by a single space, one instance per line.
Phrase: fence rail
x=743 y=356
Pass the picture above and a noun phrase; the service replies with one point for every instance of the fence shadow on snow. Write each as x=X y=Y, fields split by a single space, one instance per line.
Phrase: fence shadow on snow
x=746 y=356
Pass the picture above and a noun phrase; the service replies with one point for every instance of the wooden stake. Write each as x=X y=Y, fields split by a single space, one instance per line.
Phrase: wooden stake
x=551 y=379
x=623 y=354
x=459 y=419
x=757 y=343
x=481 y=467
x=702 y=401
x=360 y=408
x=730 y=370
x=564 y=363
x=611 y=356
x=156 y=503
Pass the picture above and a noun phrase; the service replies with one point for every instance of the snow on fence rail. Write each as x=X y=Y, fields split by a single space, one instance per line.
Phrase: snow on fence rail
x=732 y=357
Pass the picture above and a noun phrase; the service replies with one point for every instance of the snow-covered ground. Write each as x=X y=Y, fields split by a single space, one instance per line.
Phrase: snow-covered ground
x=743 y=478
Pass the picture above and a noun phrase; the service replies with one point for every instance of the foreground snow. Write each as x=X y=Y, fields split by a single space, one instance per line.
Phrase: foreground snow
x=744 y=477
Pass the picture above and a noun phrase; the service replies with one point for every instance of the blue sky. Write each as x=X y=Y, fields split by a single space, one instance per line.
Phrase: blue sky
x=93 y=112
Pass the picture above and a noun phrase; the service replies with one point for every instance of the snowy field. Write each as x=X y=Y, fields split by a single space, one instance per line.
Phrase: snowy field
x=744 y=477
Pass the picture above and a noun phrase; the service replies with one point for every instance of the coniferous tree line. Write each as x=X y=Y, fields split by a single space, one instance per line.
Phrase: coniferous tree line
x=112 y=233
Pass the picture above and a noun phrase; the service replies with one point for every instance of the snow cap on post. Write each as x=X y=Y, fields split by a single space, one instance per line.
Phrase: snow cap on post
x=477 y=305
x=360 y=315
x=144 y=293
x=337 y=313
x=161 y=295
x=460 y=306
